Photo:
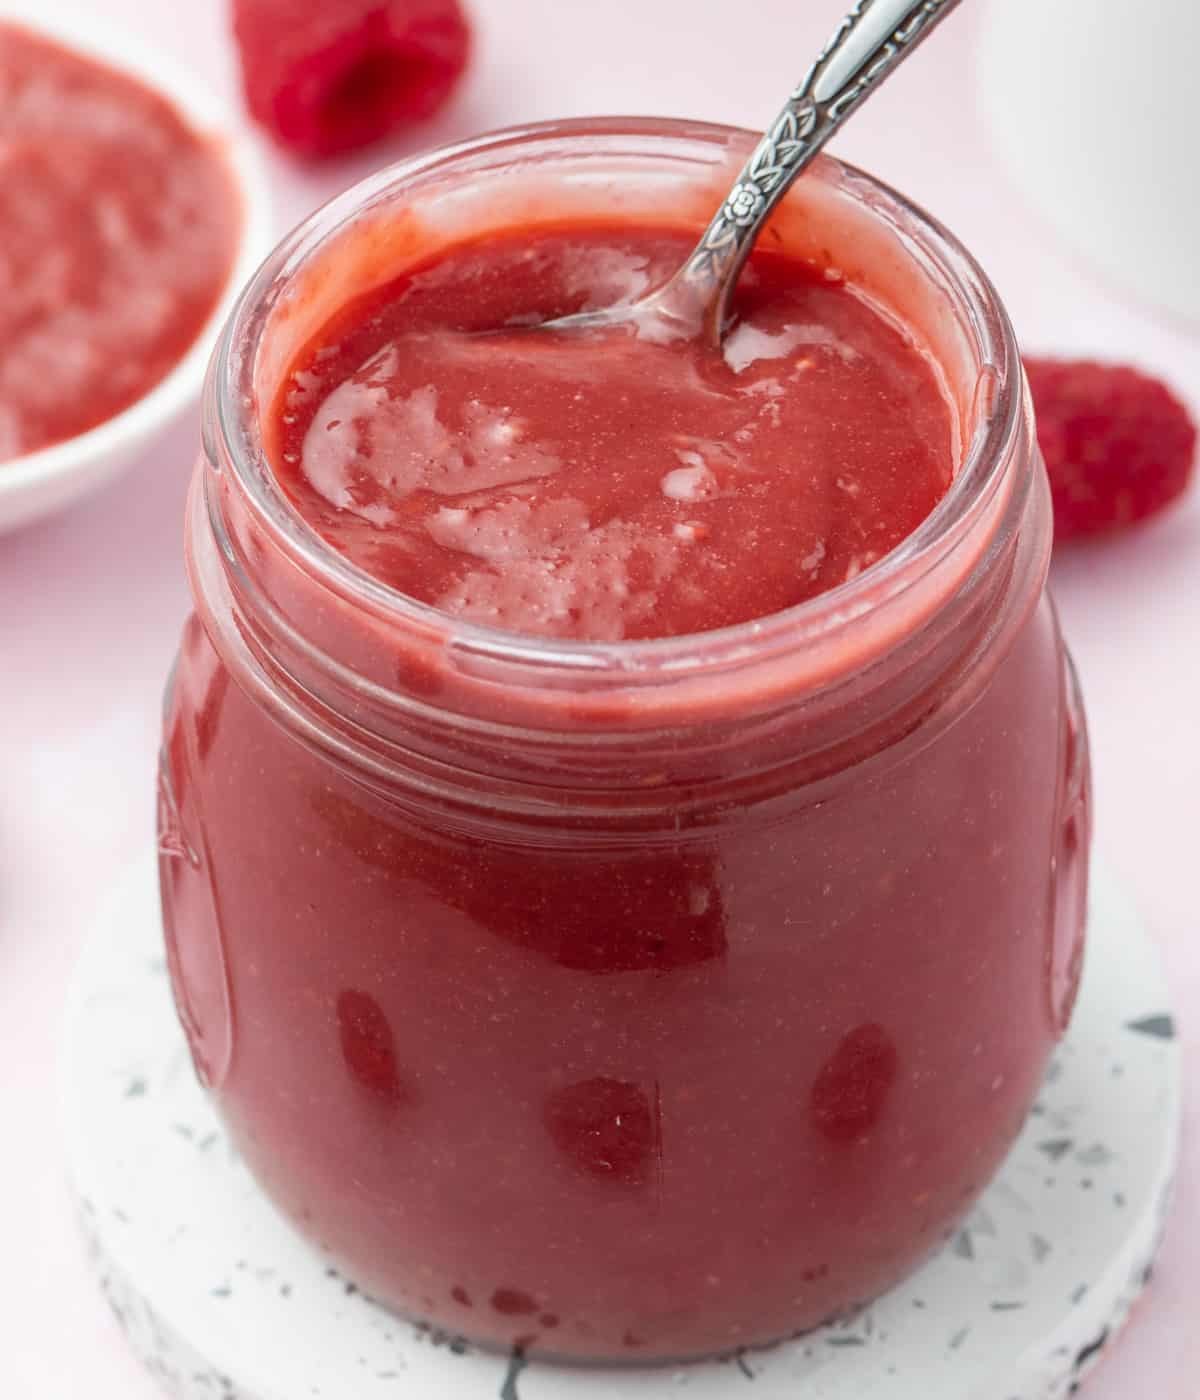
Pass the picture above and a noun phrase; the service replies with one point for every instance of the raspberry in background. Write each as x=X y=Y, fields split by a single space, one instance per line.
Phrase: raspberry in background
x=1118 y=444
x=328 y=76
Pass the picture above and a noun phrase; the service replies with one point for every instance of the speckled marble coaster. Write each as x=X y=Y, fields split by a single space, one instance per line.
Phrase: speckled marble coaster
x=223 y=1302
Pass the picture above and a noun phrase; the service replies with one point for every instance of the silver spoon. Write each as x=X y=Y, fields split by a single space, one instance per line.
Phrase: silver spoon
x=868 y=44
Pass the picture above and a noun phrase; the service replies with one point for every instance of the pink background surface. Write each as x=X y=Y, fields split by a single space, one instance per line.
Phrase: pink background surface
x=91 y=605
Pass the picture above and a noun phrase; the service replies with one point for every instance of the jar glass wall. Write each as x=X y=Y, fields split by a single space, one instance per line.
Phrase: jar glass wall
x=624 y=1001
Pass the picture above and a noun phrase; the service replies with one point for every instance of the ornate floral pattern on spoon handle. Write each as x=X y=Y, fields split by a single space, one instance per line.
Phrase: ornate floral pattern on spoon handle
x=869 y=42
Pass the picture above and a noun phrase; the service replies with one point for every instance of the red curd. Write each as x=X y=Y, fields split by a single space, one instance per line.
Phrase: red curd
x=605 y=938
x=120 y=225
x=605 y=486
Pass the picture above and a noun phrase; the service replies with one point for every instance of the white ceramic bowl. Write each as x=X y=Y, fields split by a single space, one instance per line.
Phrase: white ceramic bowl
x=1092 y=105
x=43 y=481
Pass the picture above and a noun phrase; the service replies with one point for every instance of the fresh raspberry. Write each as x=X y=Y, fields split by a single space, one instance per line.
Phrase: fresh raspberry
x=326 y=76
x=1118 y=444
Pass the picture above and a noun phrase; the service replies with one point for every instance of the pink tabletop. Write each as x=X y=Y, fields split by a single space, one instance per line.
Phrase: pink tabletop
x=91 y=605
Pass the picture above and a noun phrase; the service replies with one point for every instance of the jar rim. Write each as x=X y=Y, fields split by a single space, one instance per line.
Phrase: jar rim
x=985 y=449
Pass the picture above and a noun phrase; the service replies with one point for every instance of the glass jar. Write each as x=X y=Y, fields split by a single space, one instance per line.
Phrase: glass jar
x=639 y=1000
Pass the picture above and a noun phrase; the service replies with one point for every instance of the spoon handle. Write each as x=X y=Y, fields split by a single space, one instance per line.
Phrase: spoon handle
x=872 y=40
